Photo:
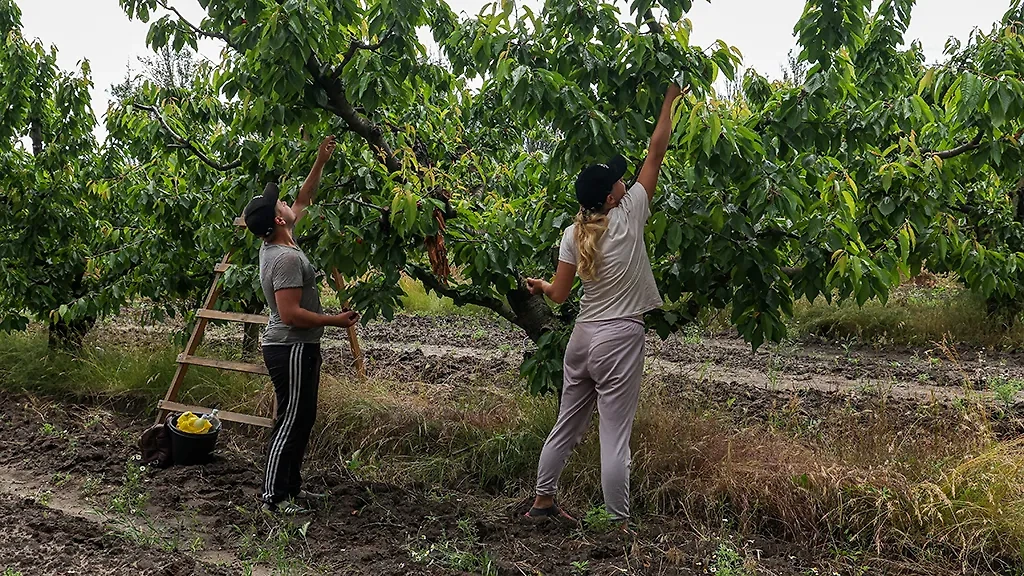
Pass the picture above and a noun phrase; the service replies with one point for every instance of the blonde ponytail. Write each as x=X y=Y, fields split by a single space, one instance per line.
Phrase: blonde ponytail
x=590 y=226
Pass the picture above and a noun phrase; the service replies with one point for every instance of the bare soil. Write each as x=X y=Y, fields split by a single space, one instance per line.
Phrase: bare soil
x=64 y=468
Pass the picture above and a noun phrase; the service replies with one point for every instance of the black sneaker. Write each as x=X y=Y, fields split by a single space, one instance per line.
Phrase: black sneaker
x=286 y=507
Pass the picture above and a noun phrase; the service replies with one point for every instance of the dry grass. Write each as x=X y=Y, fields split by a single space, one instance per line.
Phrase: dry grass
x=940 y=489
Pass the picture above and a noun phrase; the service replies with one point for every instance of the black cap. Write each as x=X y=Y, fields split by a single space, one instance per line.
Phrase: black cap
x=595 y=182
x=261 y=211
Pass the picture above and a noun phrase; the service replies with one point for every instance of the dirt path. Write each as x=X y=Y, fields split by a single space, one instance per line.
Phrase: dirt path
x=443 y=349
x=75 y=501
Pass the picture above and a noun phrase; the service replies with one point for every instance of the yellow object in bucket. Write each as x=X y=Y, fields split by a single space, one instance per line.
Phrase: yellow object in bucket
x=189 y=422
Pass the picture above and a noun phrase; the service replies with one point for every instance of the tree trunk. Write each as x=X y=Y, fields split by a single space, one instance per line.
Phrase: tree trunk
x=532 y=313
x=36 y=135
x=69 y=336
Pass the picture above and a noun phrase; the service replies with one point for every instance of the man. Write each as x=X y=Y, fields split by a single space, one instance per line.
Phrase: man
x=291 y=342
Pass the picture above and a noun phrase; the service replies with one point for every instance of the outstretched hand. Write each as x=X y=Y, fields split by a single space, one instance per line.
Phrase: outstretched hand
x=536 y=286
x=347 y=318
x=326 y=149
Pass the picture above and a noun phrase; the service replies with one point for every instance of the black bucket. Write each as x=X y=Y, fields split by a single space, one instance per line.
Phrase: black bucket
x=188 y=448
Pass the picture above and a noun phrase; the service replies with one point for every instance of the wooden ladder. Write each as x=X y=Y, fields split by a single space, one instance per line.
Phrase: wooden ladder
x=188 y=358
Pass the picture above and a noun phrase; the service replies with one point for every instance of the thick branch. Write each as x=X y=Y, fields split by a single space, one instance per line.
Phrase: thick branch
x=338 y=104
x=461 y=297
x=653 y=24
x=947 y=154
x=185 y=143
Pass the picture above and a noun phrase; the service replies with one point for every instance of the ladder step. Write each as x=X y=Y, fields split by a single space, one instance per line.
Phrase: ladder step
x=226 y=416
x=223 y=364
x=221 y=268
x=233 y=316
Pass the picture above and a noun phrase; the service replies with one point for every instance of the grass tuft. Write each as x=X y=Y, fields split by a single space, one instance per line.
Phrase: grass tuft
x=914 y=316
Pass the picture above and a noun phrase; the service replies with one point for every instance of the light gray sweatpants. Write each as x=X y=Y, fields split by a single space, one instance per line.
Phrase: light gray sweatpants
x=604 y=363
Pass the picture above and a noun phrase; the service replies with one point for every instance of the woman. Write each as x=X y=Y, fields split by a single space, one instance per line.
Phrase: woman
x=604 y=360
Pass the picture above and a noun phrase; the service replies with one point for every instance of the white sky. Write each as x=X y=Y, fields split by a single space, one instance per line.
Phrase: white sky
x=99 y=31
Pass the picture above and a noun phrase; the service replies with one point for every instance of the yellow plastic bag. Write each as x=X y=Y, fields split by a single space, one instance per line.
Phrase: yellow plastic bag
x=189 y=422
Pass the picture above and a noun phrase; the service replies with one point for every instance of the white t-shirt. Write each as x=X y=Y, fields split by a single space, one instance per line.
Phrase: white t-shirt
x=625 y=286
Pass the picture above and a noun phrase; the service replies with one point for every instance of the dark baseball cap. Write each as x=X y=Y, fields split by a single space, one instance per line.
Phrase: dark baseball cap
x=595 y=182
x=261 y=211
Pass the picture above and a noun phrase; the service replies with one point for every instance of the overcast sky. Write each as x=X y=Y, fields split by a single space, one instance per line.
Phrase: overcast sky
x=99 y=31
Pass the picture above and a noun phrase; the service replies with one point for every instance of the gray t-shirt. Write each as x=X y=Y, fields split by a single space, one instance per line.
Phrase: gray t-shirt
x=625 y=286
x=287 y=267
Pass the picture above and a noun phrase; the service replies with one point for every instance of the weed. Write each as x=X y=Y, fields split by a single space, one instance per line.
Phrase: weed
x=774 y=365
x=692 y=334
x=728 y=562
x=597 y=520
x=580 y=567
x=11 y=572
x=479 y=334
x=91 y=486
x=455 y=555
x=131 y=497
x=1005 y=389
x=48 y=429
x=274 y=548
x=61 y=478
x=45 y=498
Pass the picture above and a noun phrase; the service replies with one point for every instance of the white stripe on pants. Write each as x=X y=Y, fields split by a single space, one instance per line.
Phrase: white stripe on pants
x=604 y=364
x=277 y=445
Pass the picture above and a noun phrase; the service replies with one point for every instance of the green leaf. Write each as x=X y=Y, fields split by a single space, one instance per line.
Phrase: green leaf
x=716 y=129
x=675 y=237
x=904 y=245
x=926 y=81
x=717 y=218
x=410 y=212
x=658 y=223
x=851 y=205
x=887 y=206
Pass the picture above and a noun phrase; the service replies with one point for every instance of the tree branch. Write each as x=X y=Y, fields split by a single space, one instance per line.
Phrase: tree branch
x=354 y=47
x=185 y=143
x=215 y=35
x=461 y=297
x=357 y=201
x=952 y=153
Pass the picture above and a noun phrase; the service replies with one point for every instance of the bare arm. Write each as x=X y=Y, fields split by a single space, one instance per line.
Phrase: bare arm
x=659 y=143
x=308 y=191
x=296 y=316
x=559 y=287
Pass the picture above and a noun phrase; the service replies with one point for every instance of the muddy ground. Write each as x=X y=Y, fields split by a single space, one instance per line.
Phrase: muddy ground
x=74 y=500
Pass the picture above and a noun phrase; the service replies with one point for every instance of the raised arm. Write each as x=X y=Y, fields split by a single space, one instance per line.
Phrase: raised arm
x=659 y=143
x=308 y=191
